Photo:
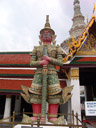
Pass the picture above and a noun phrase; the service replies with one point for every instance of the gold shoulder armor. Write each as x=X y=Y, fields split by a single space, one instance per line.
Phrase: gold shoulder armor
x=60 y=51
x=34 y=51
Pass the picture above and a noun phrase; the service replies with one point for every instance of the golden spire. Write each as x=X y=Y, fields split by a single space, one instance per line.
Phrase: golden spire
x=47 y=25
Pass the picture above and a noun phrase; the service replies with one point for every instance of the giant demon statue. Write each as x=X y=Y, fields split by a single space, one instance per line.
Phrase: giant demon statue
x=46 y=86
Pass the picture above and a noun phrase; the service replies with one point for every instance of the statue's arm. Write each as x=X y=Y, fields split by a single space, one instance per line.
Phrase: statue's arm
x=58 y=61
x=33 y=61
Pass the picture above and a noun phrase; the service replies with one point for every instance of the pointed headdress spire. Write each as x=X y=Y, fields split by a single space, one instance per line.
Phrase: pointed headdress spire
x=76 y=2
x=47 y=25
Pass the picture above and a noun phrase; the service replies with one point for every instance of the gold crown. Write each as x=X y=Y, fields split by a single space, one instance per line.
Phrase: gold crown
x=47 y=25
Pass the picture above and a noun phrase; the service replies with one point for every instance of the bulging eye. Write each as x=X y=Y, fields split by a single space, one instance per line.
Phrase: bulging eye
x=49 y=34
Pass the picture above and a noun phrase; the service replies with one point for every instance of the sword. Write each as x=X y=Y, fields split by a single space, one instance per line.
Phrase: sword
x=44 y=89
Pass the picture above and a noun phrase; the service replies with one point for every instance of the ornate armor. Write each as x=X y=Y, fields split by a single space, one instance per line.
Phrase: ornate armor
x=54 y=89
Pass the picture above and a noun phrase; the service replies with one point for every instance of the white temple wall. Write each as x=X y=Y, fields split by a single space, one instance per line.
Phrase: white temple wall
x=7 y=110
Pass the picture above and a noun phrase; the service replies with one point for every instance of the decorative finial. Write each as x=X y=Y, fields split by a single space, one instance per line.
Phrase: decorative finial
x=93 y=11
x=94 y=8
x=87 y=18
x=69 y=45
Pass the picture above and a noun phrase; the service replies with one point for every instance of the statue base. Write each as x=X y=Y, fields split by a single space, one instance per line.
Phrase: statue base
x=30 y=127
x=60 y=121
x=34 y=126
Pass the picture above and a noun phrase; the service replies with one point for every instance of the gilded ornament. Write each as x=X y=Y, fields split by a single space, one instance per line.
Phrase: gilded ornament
x=66 y=94
x=66 y=73
x=89 y=48
x=74 y=74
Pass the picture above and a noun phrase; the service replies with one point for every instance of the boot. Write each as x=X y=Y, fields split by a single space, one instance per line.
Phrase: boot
x=52 y=112
x=36 y=111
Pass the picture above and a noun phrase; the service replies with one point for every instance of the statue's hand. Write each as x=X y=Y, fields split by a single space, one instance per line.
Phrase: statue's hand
x=46 y=58
x=44 y=62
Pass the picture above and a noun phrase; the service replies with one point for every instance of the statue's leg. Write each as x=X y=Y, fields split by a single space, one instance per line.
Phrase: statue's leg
x=35 y=96
x=36 y=111
x=54 y=90
x=52 y=112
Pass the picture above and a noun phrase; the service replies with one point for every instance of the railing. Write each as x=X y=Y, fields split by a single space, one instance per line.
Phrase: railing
x=74 y=123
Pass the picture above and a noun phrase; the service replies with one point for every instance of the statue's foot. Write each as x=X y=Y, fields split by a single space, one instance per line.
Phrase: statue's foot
x=34 y=118
x=52 y=119
x=59 y=120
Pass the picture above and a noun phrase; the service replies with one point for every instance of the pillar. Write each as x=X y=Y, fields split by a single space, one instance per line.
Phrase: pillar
x=7 y=110
x=17 y=104
x=85 y=93
x=75 y=100
x=69 y=103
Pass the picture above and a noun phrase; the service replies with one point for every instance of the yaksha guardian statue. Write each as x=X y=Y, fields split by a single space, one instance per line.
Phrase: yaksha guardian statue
x=46 y=86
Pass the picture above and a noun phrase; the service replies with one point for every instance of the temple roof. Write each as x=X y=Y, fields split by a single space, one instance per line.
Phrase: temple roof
x=86 y=42
x=15 y=59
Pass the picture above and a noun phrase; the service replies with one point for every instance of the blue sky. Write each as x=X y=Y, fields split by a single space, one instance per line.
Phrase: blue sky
x=22 y=20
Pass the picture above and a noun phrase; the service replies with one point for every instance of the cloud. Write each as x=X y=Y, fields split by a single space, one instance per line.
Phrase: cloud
x=22 y=20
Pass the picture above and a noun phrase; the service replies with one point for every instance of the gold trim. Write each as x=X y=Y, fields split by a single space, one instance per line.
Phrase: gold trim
x=31 y=91
x=54 y=89
x=54 y=101
x=36 y=86
x=75 y=78
x=35 y=114
x=48 y=72
x=35 y=101
x=53 y=86
x=54 y=92
x=54 y=96
x=52 y=115
x=86 y=53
